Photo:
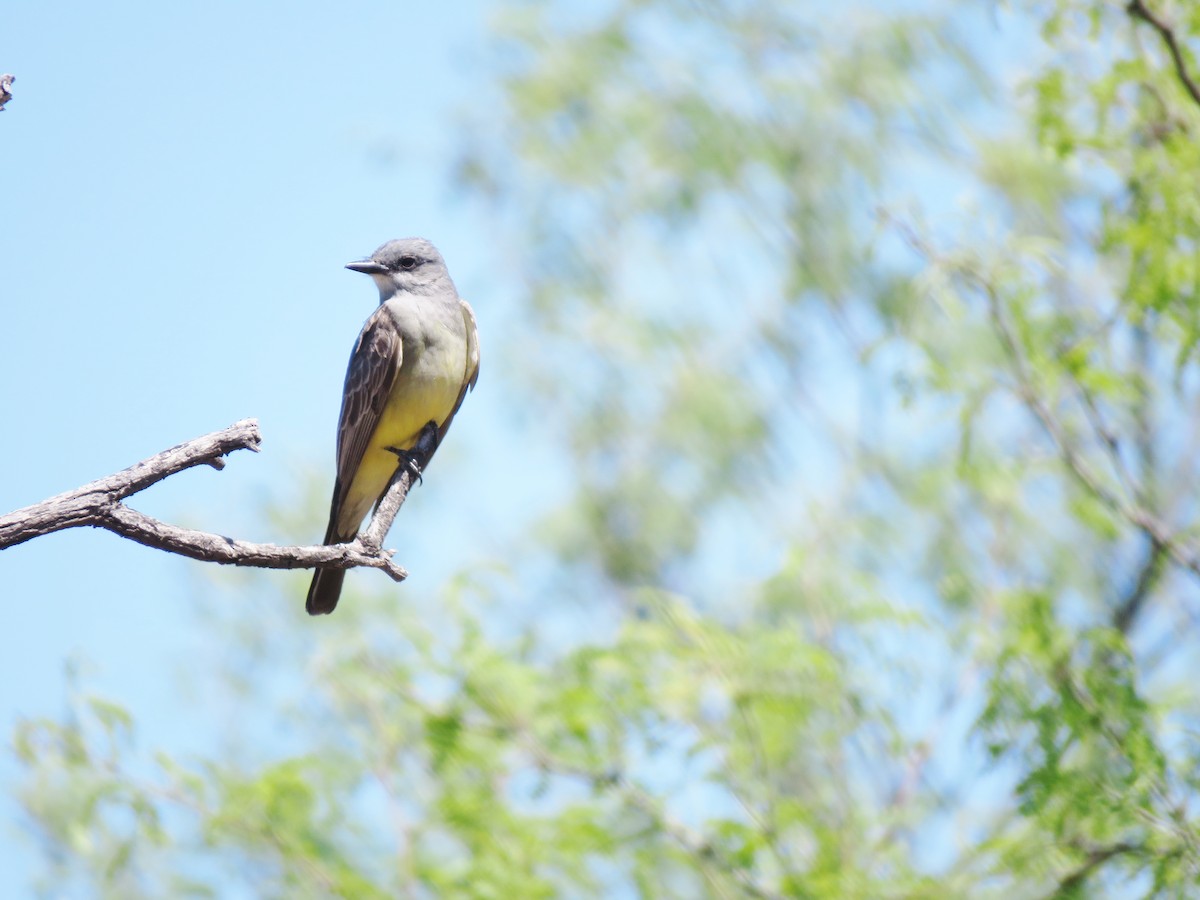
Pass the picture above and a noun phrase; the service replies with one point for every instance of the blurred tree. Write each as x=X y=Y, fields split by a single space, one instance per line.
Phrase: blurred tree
x=876 y=372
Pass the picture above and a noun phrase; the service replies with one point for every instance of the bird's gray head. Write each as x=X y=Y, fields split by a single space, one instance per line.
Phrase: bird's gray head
x=411 y=265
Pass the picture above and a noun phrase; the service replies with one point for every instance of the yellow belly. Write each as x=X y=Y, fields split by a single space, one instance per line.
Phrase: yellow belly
x=425 y=391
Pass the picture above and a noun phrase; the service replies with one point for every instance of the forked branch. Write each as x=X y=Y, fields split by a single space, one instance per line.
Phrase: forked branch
x=100 y=505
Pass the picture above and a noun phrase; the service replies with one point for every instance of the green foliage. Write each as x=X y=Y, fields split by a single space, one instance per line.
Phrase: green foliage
x=876 y=381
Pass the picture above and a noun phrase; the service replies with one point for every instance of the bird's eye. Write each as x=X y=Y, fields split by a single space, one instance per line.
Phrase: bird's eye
x=408 y=262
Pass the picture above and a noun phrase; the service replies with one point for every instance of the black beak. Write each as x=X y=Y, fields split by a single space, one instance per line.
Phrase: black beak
x=366 y=266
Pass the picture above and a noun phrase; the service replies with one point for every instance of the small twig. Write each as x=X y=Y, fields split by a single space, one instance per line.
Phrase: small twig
x=1139 y=10
x=1105 y=436
x=5 y=92
x=99 y=505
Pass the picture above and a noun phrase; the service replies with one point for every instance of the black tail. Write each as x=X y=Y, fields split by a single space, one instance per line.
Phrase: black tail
x=326 y=585
x=324 y=592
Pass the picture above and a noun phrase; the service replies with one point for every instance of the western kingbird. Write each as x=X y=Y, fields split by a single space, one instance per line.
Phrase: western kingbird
x=415 y=359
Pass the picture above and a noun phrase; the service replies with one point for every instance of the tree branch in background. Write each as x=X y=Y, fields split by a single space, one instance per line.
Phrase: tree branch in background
x=1132 y=511
x=1131 y=604
x=5 y=84
x=1096 y=857
x=1139 y=10
x=99 y=505
x=1136 y=510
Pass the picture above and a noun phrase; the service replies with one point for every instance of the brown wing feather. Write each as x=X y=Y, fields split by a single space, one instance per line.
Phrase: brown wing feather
x=373 y=367
x=471 y=373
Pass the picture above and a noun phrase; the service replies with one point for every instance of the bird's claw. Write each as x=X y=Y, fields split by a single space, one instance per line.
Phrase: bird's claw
x=409 y=461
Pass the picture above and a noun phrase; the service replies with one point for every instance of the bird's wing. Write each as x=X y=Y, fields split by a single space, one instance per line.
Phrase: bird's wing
x=369 y=377
x=471 y=372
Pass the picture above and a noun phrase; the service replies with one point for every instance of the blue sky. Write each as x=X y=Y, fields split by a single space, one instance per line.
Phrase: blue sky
x=181 y=181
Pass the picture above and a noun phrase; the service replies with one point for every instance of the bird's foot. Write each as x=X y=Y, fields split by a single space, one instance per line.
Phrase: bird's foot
x=409 y=461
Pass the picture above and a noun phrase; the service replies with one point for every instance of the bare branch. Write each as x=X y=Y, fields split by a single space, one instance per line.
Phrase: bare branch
x=5 y=89
x=1139 y=10
x=88 y=505
x=99 y=505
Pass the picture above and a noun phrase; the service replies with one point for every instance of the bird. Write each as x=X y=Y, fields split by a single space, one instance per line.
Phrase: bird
x=413 y=363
